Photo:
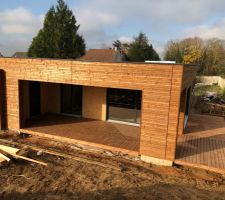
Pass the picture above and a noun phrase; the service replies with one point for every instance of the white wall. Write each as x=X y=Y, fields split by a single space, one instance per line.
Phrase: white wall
x=210 y=80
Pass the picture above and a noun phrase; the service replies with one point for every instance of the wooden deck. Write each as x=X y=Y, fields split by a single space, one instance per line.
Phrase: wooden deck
x=203 y=144
x=106 y=135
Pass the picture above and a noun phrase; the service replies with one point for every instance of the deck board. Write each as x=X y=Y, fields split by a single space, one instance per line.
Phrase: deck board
x=102 y=134
x=203 y=143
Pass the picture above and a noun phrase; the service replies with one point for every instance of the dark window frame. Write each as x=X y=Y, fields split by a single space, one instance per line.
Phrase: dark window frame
x=137 y=105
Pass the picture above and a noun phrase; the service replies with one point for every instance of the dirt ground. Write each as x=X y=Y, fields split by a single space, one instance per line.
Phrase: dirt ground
x=70 y=179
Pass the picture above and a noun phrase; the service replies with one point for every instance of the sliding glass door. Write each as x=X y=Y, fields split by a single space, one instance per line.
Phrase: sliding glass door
x=71 y=99
x=34 y=98
x=124 y=105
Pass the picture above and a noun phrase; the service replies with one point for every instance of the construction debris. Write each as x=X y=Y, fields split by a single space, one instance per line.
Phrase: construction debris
x=9 y=149
x=6 y=152
x=63 y=155
x=3 y=158
x=39 y=153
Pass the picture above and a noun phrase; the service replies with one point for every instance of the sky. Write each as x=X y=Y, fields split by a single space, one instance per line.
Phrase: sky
x=103 y=21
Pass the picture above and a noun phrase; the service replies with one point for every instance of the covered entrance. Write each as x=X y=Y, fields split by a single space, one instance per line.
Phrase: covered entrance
x=78 y=114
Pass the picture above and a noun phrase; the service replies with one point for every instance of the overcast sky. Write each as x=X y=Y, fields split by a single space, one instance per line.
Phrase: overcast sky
x=103 y=21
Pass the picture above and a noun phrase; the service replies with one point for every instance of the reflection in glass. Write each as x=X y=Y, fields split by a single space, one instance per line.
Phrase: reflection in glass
x=124 y=105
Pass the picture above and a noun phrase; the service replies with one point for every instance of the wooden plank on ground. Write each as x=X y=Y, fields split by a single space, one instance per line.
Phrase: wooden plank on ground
x=29 y=159
x=22 y=157
x=9 y=149
x=3 y=158
x=68 y=156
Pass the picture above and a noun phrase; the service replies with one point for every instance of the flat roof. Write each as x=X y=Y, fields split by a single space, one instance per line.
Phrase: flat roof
x=75 y=60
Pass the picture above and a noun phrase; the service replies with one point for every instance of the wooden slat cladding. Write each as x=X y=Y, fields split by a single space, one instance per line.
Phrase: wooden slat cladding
x=175 y=97
x=161 y=86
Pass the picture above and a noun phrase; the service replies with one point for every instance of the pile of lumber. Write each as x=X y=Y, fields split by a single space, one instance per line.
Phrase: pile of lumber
x=7 y=153
x=58 y=154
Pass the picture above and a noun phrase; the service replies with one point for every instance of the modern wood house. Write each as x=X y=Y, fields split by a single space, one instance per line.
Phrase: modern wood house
x=135 y=108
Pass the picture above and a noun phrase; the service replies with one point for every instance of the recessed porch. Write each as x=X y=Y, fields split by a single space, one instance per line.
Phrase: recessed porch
x=97 y=116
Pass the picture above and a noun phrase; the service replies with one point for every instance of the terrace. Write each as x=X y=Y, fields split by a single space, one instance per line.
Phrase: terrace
x=203 y=144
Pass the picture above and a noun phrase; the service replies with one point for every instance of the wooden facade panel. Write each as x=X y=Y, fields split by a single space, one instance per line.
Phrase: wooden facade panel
x=171 y=140
x=94 y=103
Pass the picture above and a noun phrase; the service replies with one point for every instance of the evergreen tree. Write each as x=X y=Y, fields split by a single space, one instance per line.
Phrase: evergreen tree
x=58 y=38
x=140 y=50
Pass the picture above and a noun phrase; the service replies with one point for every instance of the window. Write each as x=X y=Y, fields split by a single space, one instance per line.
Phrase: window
x=124 y=105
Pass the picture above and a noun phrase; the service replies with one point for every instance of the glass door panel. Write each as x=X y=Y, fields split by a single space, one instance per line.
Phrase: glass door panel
x=124 y=105
x=35 y=98
x=71 y=99
x=77 y=94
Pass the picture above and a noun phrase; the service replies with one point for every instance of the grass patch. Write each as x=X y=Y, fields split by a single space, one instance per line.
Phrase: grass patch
x=201 y=90
x=223 y=95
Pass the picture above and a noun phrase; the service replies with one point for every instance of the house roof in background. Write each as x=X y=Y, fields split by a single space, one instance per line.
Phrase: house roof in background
x=102 y=55
x=20 y=55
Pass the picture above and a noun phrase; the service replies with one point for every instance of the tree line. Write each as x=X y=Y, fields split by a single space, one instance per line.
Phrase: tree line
x=209 y=54
x=59 y=38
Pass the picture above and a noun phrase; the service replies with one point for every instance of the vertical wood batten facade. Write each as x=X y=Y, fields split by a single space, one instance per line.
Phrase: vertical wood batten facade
x=161 y=86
